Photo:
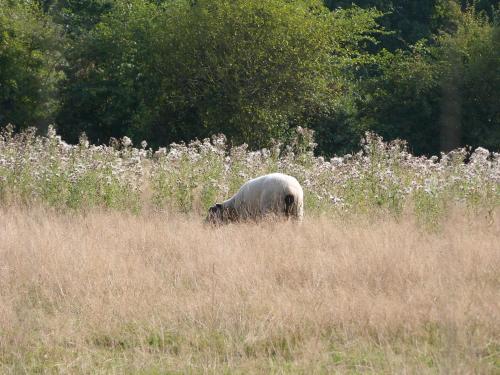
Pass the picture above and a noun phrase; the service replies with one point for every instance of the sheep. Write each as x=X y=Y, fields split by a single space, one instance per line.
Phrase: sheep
x=272 y=194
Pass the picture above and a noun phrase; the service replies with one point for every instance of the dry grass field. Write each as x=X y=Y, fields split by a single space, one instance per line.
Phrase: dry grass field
x=110 y=292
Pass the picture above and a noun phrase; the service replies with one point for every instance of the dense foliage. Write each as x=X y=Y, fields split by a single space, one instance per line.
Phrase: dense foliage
x=172 y=70
x=29 y=71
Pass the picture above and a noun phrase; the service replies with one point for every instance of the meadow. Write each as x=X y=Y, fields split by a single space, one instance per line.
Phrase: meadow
x=107 y=266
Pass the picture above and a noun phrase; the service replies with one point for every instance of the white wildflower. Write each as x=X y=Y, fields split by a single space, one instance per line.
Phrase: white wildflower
x=126 y=141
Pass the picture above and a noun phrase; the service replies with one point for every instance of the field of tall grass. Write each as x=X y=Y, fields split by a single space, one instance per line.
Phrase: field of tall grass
x=115 y=292
x=106 y=265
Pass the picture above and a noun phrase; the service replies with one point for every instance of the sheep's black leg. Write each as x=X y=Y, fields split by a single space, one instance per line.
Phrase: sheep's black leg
x=289 y=199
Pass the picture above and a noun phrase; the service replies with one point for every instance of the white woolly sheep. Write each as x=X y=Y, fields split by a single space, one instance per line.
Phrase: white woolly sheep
x=272 y=194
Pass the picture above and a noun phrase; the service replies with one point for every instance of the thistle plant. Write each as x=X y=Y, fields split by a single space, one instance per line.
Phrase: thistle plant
x=382 y=178
x=45 y=169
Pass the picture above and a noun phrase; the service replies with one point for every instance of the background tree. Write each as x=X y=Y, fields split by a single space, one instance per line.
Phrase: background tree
x=178 y=70
x=172 y=70
x=412 y=20
x=437 y=95
x=29 y=58
x=409 y=20
x=470 y=102
x=105 y=72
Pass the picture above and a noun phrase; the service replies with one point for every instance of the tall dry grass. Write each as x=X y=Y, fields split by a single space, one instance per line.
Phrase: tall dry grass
x=118 y=293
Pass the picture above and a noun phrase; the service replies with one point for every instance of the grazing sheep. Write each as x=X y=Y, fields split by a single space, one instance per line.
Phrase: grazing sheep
x=275 y=193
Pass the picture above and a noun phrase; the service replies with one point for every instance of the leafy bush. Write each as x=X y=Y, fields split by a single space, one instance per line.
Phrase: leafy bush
x=179 y=70
x=29 y=56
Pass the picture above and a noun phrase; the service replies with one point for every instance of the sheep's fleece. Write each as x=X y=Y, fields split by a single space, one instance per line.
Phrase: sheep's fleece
x=275 y=193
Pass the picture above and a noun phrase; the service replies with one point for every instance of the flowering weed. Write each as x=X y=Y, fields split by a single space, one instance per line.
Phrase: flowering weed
x=382 y=178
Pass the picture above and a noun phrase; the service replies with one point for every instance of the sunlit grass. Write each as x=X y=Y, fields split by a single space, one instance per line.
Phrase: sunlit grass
x=151 y=293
